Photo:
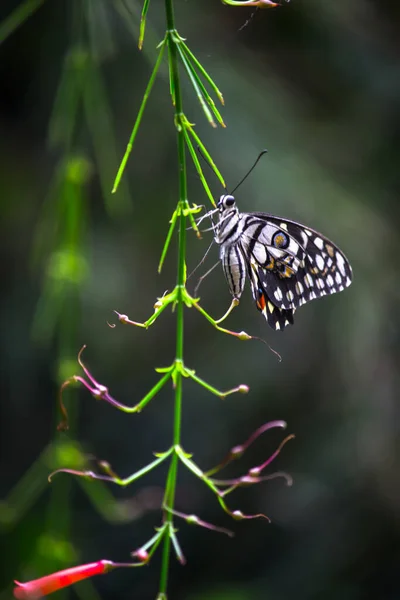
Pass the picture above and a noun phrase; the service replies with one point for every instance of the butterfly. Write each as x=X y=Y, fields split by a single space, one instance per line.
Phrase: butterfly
x=288 y=264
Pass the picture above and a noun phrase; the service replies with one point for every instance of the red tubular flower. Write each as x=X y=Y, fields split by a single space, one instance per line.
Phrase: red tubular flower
x=54 y=582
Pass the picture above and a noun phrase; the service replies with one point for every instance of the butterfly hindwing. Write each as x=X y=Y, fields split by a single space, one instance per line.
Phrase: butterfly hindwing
x=277 y=318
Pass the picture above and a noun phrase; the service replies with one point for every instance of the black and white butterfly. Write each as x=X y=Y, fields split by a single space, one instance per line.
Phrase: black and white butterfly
x=288 y=264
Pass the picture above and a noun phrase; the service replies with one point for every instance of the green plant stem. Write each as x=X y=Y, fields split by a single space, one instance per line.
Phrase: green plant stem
x=169 y=497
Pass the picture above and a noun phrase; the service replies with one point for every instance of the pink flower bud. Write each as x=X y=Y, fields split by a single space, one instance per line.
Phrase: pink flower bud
x=142 y=555
x=100 y=391
x=242 y=335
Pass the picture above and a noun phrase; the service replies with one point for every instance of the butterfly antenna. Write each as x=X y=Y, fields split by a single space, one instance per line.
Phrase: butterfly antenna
x=249 y=171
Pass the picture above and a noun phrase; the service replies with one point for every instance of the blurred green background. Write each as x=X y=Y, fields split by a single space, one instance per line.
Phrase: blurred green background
x=318 y=84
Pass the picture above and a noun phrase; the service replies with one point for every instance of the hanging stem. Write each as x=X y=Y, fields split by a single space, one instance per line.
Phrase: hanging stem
x=169 y=497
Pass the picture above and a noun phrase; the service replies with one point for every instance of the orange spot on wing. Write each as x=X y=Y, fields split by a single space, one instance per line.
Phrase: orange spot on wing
x=271 y=265
x=286 y=273
x=330 y=250
x=261 y=303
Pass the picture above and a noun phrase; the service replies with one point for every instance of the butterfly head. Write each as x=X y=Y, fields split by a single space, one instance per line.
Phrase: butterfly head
x=226 y=203
x=228 y=220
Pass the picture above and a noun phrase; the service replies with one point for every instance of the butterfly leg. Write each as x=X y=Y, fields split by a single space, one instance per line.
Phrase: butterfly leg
x=234 y=304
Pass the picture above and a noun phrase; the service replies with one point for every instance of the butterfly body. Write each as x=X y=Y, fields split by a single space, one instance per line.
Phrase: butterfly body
x=287 y=263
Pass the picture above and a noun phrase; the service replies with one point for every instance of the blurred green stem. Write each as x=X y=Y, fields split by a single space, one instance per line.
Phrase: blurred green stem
x=18 y=16
x=169 y=497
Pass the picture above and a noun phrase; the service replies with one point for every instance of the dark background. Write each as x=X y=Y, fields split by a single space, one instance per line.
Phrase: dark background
x=318 y=84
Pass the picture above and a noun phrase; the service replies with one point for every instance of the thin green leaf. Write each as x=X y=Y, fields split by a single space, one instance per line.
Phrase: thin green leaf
x=202 y=70
x=170 y=73
x=176 y=546
x=130 y=15
x=197 y=88
x=153 y=542
x=153 y=392
x=138 y=118
x=145 y=8
x=202 y=87
x=196 y=470
x=167 y=241
x=196 y=162
x=193 y=223
x=207 y=155
x=141 y=472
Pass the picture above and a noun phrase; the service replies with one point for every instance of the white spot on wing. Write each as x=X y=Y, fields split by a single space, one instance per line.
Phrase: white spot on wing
x=260 y=254
x=320 y=262
x=308 y=280
x=329 y=281
x=278 y=295
x=341 y=263
x=319 y=242
x=299 y=288
x=290 y=295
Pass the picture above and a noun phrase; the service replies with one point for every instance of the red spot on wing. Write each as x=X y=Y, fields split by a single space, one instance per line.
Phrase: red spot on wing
x=261 y=302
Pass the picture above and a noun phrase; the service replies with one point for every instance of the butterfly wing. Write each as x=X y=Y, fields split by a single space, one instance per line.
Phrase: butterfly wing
x=277 y=318
x=289 y=265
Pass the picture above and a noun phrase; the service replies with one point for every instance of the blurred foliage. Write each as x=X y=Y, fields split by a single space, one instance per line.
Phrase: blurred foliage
x=317 y=83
